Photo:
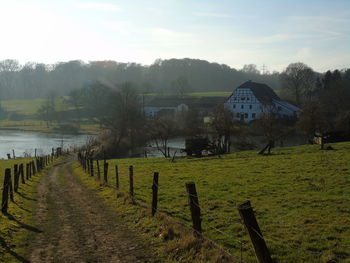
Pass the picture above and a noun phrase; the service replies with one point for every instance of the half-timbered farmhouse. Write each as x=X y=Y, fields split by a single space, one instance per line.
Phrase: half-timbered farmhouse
x=250 y=99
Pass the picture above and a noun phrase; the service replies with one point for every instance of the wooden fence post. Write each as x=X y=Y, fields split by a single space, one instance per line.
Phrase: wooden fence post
x=105 y=172
x=131 y=180
x=87 y=165
x=34 y=169
x=30 y=169
x=98 y=170
x=194 y=208
x=91 y=167
x=11 y=188
x=116 y=177
x=247 y=214
x=155 y=193
x=21 y=170
x=5 y=190
x=15 y=177
x=27 y=171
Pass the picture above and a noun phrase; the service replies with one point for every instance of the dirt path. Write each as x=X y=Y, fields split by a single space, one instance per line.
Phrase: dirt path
x=77 y=227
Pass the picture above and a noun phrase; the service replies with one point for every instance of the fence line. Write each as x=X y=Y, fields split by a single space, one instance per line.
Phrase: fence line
x=257 y=239
x=32 y=168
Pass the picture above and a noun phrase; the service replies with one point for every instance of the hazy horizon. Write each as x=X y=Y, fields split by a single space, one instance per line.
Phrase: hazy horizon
x=270 y=33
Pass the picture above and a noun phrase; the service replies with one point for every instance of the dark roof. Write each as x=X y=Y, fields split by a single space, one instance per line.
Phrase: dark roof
x=261 y=91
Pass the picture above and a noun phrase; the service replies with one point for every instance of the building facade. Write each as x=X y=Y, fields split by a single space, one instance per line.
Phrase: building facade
x=251 y=99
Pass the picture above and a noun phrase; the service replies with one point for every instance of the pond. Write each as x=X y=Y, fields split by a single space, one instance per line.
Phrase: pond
x=25 y=142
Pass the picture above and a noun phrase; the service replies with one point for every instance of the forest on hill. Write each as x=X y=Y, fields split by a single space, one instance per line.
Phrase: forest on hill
x=37 y=80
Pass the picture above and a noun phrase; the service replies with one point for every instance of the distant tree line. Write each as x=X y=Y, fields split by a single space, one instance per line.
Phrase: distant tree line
x=173 y=76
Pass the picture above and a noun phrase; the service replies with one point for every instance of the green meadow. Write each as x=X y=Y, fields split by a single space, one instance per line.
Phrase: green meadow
x=301 y=197
x=23 y=116
x=16 y=227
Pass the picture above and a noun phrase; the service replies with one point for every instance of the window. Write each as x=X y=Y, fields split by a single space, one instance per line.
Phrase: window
x=242 y=106
x=237 y=115
x=279 y=108
x=242 y=98
x=253 y=115
x=234 y=106
x=250 y=107
x=247 y=98
x=245 y=115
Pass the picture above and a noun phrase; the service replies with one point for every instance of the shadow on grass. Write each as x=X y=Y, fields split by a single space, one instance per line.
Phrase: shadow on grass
x=21 y=207
x=25 y=197
x=23 y=225
x=12 y=253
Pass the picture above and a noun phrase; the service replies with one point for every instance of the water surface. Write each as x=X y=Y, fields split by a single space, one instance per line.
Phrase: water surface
x=25 y=142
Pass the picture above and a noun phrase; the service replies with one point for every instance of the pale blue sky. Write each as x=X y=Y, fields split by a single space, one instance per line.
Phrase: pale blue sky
x=270 y=32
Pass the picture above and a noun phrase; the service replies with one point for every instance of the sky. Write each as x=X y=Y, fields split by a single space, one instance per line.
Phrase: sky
x=273 y=33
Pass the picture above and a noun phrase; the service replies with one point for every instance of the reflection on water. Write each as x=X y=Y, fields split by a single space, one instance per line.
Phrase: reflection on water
x=25 y=142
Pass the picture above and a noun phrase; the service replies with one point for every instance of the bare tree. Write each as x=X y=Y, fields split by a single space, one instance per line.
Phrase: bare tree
x=161 y=129
x=299 y=80
x=223 y=127
x=271 y=126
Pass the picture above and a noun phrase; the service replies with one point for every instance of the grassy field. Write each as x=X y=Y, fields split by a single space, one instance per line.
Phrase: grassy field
x=16 y=227
x=300 y=195
x=27 y=110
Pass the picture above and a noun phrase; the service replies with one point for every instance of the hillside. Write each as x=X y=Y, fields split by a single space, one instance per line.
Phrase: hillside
x=300 y=196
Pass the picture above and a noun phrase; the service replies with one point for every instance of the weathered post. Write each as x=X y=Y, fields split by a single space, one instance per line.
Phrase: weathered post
x=155 y=193
x=105 y=172
x=27 y=171
x=247 y=214
x=30 y=169
x=5 y=190
x=16 y=177
x=131 y=180
x=88 y=165
x=116 y=177
x=91 y=167
x=34 y=168
x=13 y=152
x=194 y=208
x=11 y=188
x=21 y=171
x=98 y=170
x=35 y=152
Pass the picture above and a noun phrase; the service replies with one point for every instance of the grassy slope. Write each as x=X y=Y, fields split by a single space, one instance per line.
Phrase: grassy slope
x=300 y=195
x=16 y=228
x=28 y=108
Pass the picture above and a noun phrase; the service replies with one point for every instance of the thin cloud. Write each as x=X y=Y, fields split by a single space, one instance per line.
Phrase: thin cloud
x=320 y=19
x=168 y=33
x=98 y=5
x=214 y=15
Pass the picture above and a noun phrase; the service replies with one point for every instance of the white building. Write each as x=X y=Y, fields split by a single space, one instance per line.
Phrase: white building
x=166 y=105
x=250 y=99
